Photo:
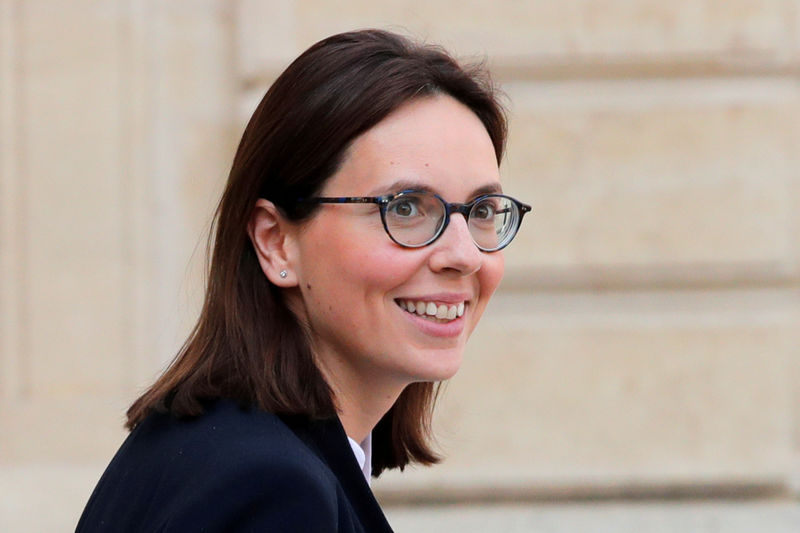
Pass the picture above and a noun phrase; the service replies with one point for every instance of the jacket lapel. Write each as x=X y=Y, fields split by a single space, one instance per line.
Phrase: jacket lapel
x=328 y=440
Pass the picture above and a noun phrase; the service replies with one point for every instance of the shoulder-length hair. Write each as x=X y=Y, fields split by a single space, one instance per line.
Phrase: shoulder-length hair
x=247 y=345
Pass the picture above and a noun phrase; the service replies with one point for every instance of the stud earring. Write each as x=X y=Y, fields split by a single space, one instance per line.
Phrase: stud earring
x=283 y=274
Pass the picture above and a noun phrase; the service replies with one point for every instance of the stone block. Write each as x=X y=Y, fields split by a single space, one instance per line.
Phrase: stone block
x=265 y=35
x=81 y=428
x=627 y=174
x=23 y=499
x=615 y=517
x=124 y=139
x=71 y=204
x=618 y=28
x=601 y=390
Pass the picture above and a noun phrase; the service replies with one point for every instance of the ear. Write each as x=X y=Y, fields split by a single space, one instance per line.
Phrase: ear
x=271 y=234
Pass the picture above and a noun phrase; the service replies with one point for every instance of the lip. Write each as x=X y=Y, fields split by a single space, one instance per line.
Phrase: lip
x=450 y=329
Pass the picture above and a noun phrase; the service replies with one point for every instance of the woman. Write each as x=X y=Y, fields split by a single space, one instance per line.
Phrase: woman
x=342 y=287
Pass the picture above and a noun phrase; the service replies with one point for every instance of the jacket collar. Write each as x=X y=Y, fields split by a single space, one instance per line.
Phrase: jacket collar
x=328 y=440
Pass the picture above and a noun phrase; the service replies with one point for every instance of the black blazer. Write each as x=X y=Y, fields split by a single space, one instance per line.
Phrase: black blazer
x=234 y=470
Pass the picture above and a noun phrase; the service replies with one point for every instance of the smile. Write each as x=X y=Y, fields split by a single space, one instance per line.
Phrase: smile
x=432 y=310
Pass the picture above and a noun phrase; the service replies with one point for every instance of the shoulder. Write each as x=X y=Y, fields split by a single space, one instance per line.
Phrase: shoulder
x=227 y=439
x=227 y=465
x=223 y=426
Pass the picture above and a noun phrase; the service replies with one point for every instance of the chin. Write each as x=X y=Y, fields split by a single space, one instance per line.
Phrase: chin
x=446 y=368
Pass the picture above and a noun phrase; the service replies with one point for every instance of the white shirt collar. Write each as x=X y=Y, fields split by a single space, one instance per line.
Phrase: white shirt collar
x=363 y=453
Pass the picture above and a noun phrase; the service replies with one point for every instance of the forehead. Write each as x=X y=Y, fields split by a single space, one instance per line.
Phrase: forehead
x=436 y=142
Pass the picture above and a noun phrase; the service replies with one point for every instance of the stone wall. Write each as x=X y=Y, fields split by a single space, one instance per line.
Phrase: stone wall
x=645 y=341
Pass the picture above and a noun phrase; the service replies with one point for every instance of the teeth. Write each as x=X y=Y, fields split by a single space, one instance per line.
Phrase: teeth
x=440 y=311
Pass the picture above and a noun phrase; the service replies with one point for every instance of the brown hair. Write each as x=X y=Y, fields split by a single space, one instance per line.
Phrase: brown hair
x=247 y=346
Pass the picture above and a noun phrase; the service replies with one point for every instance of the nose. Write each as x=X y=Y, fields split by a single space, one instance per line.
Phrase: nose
x=455 y=250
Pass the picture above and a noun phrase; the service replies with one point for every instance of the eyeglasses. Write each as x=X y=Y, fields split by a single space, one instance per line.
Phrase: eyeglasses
x=417 y=218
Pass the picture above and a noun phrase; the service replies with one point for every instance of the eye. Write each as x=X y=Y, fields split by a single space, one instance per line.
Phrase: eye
x=405 y=207
x=485 y=210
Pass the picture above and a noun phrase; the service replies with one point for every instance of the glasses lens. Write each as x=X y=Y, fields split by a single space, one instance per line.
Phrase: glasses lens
x=493 y=221
x=413 y=219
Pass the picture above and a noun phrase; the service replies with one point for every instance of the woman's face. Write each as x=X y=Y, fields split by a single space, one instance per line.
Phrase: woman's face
x=354 y=281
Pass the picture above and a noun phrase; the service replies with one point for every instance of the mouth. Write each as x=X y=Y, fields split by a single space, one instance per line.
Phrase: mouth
x=434 y=311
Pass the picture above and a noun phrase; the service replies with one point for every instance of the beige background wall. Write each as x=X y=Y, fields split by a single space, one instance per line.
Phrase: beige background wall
x=645 y=342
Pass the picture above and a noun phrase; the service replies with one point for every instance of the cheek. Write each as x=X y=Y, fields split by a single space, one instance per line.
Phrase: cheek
x=492 y=273
x=384 y=267
x=357 y=270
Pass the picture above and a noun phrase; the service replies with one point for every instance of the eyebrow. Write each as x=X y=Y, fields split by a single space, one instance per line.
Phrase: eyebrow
x=405 y=184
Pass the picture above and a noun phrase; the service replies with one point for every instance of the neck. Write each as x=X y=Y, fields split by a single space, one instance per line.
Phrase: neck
x=360 y=413
x=361 y=396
